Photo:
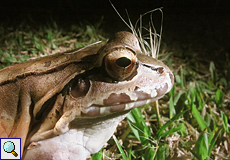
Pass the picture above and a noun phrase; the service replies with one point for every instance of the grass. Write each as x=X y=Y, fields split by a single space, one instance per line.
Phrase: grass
x=22 y=42
x=194 y=117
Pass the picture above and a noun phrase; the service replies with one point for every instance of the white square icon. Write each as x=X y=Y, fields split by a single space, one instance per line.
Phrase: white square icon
x=10 y=148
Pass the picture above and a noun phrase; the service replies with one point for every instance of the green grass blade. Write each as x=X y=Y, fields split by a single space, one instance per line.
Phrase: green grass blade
x=219 y=98
x=138 y=126
x=170 y=131
x=202 y=146
x=177 y=116
x=198 y=118
x=225 y=121
x=97 y=156
x=120 y=148
x=162 y=152
x=149 y=154
x=214 y=139
x=172 y=110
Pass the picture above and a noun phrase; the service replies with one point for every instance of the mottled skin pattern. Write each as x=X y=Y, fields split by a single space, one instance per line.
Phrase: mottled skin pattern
x=66 y=106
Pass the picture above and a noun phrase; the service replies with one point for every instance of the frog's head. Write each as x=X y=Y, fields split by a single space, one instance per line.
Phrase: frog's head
x=126 y=78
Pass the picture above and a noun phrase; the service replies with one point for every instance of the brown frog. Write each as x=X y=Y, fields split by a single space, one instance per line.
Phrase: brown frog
x=67 y=105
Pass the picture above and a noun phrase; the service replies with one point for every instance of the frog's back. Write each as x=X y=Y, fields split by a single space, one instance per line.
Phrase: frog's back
x=45 y=64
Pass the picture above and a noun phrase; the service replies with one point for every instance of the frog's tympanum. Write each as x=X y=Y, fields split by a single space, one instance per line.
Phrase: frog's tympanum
x=66 y=106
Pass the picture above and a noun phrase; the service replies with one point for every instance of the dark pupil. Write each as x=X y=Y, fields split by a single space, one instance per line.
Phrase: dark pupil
x=123 y=62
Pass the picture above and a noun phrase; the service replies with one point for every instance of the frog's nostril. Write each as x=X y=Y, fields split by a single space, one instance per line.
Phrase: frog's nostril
x=160 y=70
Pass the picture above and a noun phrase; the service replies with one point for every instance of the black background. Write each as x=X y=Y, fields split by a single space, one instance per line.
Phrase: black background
x=204 y=24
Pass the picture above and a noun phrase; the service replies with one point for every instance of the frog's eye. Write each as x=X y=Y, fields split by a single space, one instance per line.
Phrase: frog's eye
x=120 y=64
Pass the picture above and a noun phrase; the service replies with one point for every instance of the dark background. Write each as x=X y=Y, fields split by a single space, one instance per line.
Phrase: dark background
x=92 y=9
x=202 y=25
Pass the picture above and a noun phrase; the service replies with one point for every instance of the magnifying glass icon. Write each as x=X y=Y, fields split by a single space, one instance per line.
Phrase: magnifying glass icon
x=9 y=147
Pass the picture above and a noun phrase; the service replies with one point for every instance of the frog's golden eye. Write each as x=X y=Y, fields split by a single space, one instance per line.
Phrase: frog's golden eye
x=120 y=64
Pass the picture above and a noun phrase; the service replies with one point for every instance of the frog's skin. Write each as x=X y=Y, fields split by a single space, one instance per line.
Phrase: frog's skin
x=67 y=105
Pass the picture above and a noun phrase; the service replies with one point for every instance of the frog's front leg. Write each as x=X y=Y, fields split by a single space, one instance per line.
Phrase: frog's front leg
x=71 y=110
x=46 y=129
x=62 y=126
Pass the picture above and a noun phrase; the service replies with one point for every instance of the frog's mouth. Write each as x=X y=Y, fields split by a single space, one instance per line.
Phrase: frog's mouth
x=122 y=102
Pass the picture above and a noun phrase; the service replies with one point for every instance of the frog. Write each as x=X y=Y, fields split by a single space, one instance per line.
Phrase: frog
x=68 y=105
